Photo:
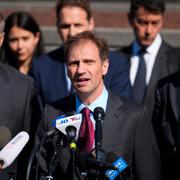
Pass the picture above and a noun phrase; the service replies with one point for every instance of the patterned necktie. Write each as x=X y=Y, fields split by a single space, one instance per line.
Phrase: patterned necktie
x=139 y=87
x=86 y=132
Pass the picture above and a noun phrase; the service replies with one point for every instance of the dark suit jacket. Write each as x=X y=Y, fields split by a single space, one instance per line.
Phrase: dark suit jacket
x=17 y=96
x=49 y=74
x=167 y=62
x=127 y=132
x=166 y=121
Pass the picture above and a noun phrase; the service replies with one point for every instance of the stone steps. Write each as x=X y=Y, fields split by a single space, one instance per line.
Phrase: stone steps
x=110 y=18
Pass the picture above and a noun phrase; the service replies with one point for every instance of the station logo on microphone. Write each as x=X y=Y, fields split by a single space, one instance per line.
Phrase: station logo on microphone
x=69 y=119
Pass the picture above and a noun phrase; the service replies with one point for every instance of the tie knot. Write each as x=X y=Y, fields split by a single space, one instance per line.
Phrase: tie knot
x=142 y=51
x=86 y=112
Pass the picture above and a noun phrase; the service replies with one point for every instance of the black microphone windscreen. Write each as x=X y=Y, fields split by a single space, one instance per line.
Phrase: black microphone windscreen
x=5 y=136
x=98 y=113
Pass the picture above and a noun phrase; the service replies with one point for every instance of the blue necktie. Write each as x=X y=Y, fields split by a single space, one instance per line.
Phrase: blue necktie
x=139 y=88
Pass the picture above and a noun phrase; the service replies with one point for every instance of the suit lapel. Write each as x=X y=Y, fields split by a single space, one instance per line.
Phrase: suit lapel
x=113 y=118
x=4 y=93
x=58 y=69
x=173 y=101
x=127 y=51
x=160 y=69
x=67 y=104
x=4 y=96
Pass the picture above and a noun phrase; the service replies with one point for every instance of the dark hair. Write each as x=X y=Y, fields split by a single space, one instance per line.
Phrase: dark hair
x=25 y=21
x=87 y=36
x=84 y=4
x=154 y=6
x=1 y=23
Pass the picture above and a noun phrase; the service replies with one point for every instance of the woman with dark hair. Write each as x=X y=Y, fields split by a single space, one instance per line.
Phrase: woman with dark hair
x=22 y=41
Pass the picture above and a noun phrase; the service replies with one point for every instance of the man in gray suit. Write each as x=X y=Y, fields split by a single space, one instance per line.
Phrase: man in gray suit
x=159 y=59
x=18 y=111
x=127 y=131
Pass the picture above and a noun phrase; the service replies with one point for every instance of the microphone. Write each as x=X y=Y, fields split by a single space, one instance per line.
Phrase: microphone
x=111 y=167
x=49 y=134
x=69 y=126
x=87 y=161
x=5 y=136
x=98 y=115
x=73 y=121
x=119 y=163
x=71 y=135
x=9 y=153
x=53 y=132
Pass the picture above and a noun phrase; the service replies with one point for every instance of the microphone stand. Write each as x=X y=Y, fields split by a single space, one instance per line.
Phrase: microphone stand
x=98 y=115
x=71 y=135
x=48 y=136
x=96 y=167
x=54 y=160
x=31 y=159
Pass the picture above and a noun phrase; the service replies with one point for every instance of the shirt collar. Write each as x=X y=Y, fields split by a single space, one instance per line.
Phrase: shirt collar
x=152 y=49
x=101 y=101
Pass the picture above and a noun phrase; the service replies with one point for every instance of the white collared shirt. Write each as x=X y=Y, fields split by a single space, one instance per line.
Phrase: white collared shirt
x=101 y=101
x=149 y=57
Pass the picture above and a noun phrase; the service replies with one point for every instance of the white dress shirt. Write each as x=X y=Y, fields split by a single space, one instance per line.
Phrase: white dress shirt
x=101 y=101
x=149 y=57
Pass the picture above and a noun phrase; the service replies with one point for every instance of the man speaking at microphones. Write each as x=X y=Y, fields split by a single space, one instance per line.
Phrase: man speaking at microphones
x=126 y=130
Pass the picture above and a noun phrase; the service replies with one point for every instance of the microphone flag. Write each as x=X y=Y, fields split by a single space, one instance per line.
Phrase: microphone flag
x=62 y=123
x=120 y=164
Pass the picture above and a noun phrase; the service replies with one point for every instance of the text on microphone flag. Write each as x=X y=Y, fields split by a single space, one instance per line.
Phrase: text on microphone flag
x=74 y=120
x=70 y=119
x=120 y=164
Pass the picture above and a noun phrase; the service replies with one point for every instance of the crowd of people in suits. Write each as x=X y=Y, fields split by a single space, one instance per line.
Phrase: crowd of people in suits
x=137 y=87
